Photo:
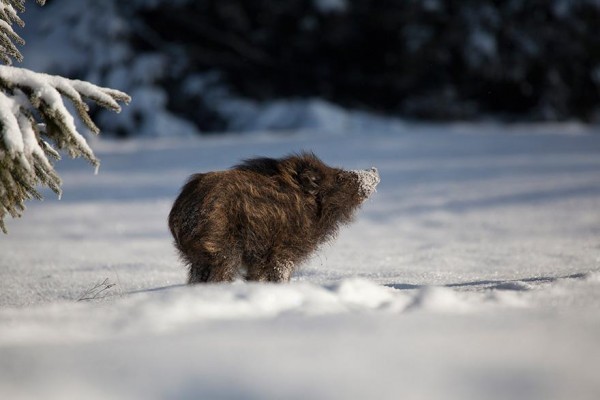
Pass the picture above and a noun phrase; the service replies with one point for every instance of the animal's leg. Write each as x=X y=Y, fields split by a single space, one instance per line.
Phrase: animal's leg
x=224 y=271
x=214 y=268
x=274 y=271
x=198 y=274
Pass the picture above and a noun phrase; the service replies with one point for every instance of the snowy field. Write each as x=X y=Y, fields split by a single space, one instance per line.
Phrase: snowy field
x=473 y=273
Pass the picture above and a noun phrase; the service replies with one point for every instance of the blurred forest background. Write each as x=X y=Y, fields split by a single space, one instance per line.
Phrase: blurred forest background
x=196 y=66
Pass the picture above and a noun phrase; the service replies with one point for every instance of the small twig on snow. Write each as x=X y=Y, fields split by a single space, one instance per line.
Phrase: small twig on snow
x=95 y=292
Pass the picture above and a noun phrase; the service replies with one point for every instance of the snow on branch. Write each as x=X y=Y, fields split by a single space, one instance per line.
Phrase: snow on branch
x=32 y=110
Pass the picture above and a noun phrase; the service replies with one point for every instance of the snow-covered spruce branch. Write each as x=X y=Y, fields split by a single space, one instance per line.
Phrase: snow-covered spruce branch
x=31 y=111
x=8 y=16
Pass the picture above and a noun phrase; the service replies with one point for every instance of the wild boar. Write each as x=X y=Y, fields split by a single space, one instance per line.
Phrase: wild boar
x=261 y=219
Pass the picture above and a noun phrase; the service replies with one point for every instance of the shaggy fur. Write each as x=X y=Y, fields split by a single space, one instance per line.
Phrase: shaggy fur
x=262 y=218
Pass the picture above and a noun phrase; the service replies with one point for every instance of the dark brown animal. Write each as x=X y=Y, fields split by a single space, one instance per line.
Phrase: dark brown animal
x=262 y=218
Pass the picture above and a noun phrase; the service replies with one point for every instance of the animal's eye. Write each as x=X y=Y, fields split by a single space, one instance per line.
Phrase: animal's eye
x=309 y=180
x=344 y=177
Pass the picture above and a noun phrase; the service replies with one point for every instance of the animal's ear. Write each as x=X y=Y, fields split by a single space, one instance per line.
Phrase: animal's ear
x=309 y=180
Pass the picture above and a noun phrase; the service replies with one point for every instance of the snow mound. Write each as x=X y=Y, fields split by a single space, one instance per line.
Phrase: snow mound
x=439 y=299
x=593 y=276
x=306 y=115
x=361 y=294
x=165 y=310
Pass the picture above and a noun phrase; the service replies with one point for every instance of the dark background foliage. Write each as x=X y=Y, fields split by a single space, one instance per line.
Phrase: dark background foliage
x=534 y=59
x=438 y=60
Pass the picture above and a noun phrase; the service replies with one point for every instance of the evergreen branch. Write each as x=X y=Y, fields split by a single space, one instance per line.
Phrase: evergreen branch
x=18 y=4
x=7 y=47
x=31 y=109
x=8 y=16
x=81 y=108
x=23 y=163
x=105 y=97
x=7 y=30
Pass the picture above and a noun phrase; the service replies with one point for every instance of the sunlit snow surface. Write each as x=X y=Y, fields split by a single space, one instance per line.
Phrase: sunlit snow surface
x=472 y=273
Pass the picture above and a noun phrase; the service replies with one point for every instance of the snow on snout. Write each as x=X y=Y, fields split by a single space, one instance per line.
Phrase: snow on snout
x=368 y=180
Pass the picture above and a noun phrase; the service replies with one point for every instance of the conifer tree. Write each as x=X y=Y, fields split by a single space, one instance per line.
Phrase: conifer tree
x=33 y=115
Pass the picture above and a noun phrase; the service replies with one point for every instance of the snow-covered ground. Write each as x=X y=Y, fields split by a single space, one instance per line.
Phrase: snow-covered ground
x=473 y=273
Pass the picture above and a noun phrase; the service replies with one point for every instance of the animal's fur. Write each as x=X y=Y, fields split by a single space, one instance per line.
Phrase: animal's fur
x=263 y=217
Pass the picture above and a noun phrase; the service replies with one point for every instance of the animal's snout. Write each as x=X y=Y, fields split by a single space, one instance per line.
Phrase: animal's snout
x=368 y=180
x=373 y=173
